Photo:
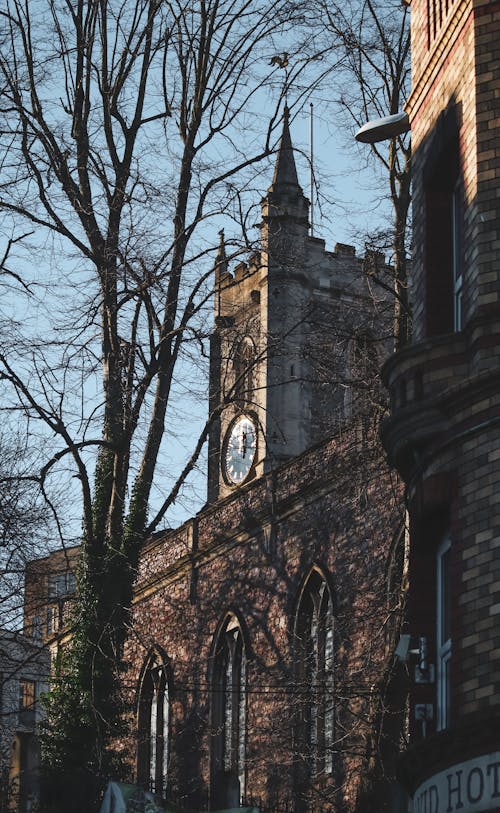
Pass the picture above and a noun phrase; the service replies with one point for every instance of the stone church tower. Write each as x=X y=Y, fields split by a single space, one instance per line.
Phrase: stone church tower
x=284 y=345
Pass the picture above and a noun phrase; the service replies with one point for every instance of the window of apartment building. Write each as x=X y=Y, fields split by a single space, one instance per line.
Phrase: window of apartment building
x=60 y=587
x=314 y=635
x=27 y=703
x=443 y=633
x=444 y=231
x=229 y=715
x=153 y=725
x=36 y=627
x=61 y=584
x=53 y=619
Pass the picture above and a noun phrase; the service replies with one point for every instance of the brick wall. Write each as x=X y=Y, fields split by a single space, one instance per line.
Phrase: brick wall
x=444 y=433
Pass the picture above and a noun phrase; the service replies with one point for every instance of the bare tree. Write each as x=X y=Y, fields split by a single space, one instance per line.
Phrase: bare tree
x=25 y=517
x=24 y=525
x=373 y=82
x=118 y=143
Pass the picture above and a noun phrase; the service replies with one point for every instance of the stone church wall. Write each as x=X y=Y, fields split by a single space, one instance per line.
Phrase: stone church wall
x=335 y=507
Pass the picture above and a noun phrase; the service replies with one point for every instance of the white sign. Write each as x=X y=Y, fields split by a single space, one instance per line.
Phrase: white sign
x=468 y=787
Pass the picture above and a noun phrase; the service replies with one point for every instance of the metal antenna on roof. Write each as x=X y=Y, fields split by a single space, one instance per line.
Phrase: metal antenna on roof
x=311 y=160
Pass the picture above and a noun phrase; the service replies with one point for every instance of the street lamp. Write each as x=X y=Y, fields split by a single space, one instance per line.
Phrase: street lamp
x=384 y=128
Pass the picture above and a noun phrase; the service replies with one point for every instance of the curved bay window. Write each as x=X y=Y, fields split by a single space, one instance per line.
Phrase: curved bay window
x=314 y=635
x=153 y=725
x=228 y=716
x=244 y=368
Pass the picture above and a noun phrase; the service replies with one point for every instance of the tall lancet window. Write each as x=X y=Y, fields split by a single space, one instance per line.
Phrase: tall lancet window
x=244 y=371
x=228 y=716
x=315 y=653
x=153 y=727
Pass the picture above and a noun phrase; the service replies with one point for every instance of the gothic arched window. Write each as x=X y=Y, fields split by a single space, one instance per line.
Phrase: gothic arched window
x=314 y=636
x=228 y=716
x=153 y=727
x=244 y=369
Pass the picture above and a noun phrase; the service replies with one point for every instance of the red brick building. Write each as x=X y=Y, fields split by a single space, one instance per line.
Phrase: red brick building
x=444 y=433
x=259 y=659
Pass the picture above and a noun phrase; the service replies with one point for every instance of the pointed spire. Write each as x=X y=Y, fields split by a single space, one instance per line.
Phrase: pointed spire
x=285 y=171
x=285 y=201
x=221 y=259
x=221 y=271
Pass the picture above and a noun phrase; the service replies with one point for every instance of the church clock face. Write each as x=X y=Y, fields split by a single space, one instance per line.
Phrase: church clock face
x=239 y=450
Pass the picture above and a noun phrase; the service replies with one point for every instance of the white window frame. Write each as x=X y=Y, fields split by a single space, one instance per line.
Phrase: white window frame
x=443 y=645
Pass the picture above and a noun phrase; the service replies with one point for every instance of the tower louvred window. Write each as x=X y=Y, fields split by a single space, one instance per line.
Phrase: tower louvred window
x=244 y=370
